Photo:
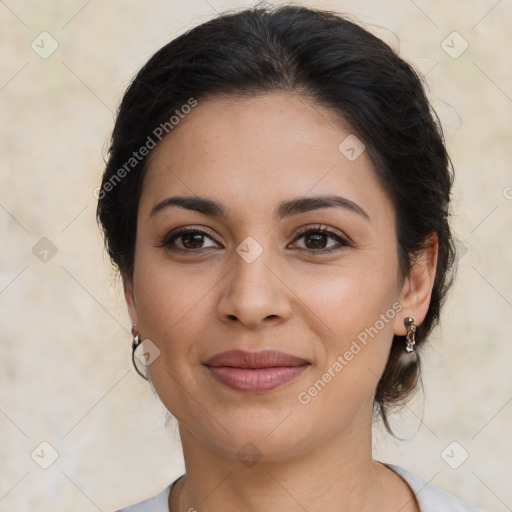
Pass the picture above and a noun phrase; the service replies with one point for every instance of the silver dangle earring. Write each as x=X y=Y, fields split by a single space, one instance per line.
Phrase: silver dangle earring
x=410 y=338
x=136 y=342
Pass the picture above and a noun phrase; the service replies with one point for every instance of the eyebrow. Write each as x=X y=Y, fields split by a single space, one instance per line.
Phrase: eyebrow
x=284 y=209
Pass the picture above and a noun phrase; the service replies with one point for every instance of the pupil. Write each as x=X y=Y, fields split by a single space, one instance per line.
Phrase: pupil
x=318 y=240
x=195 y=237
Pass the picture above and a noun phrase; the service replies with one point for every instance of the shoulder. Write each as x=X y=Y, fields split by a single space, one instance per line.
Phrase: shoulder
x=158 y=503
x=431 y=498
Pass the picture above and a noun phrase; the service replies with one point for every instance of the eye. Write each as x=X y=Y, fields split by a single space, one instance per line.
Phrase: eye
x=187 y=239
x=316 y=240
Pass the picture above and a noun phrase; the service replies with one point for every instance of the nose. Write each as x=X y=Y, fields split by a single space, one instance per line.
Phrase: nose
x=254 y=294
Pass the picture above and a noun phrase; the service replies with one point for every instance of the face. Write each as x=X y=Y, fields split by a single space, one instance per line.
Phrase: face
x=266 y=268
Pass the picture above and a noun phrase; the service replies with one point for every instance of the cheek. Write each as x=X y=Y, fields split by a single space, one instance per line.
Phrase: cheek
x=348 y=299
x=353 y=317
x=356 y=332
x=167 y=300
x=170 y=307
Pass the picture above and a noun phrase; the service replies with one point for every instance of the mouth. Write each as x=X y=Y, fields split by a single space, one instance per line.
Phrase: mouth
x=255 y=372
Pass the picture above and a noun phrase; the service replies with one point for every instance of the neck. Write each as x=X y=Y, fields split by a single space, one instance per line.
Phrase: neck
x=338 y=474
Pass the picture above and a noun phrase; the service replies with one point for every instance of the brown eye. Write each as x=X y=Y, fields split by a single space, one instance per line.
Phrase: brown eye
x=186 y=239
x=316 y=240
x=192 y=240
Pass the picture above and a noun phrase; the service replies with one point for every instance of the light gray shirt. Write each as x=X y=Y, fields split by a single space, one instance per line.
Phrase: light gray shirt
x=430 y=498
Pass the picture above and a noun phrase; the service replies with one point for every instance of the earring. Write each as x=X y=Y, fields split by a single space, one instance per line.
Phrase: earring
x=410 y=338
x=136 y=342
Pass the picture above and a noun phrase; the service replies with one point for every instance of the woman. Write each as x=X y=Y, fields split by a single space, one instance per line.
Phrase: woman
x=276 y=200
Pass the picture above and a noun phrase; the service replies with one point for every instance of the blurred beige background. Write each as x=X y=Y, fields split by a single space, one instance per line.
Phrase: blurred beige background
x=65 y=373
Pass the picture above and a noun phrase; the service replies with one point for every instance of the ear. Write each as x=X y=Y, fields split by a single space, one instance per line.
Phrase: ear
x=130 y=298
x=417 y=288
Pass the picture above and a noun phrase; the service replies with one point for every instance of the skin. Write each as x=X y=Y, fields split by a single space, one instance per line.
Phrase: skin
x=250 y=154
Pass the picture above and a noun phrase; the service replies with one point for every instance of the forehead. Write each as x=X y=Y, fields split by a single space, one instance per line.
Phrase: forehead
x=259 y=150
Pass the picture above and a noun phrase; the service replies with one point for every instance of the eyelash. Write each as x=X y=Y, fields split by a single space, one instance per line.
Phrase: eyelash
x=167 y=241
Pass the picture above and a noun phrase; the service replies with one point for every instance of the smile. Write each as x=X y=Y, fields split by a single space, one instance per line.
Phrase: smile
x=255 y=372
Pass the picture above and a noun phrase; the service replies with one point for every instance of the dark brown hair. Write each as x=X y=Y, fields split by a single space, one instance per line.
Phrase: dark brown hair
x=333 y=62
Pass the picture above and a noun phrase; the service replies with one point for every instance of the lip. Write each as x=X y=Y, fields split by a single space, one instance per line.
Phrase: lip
x=255 y=372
